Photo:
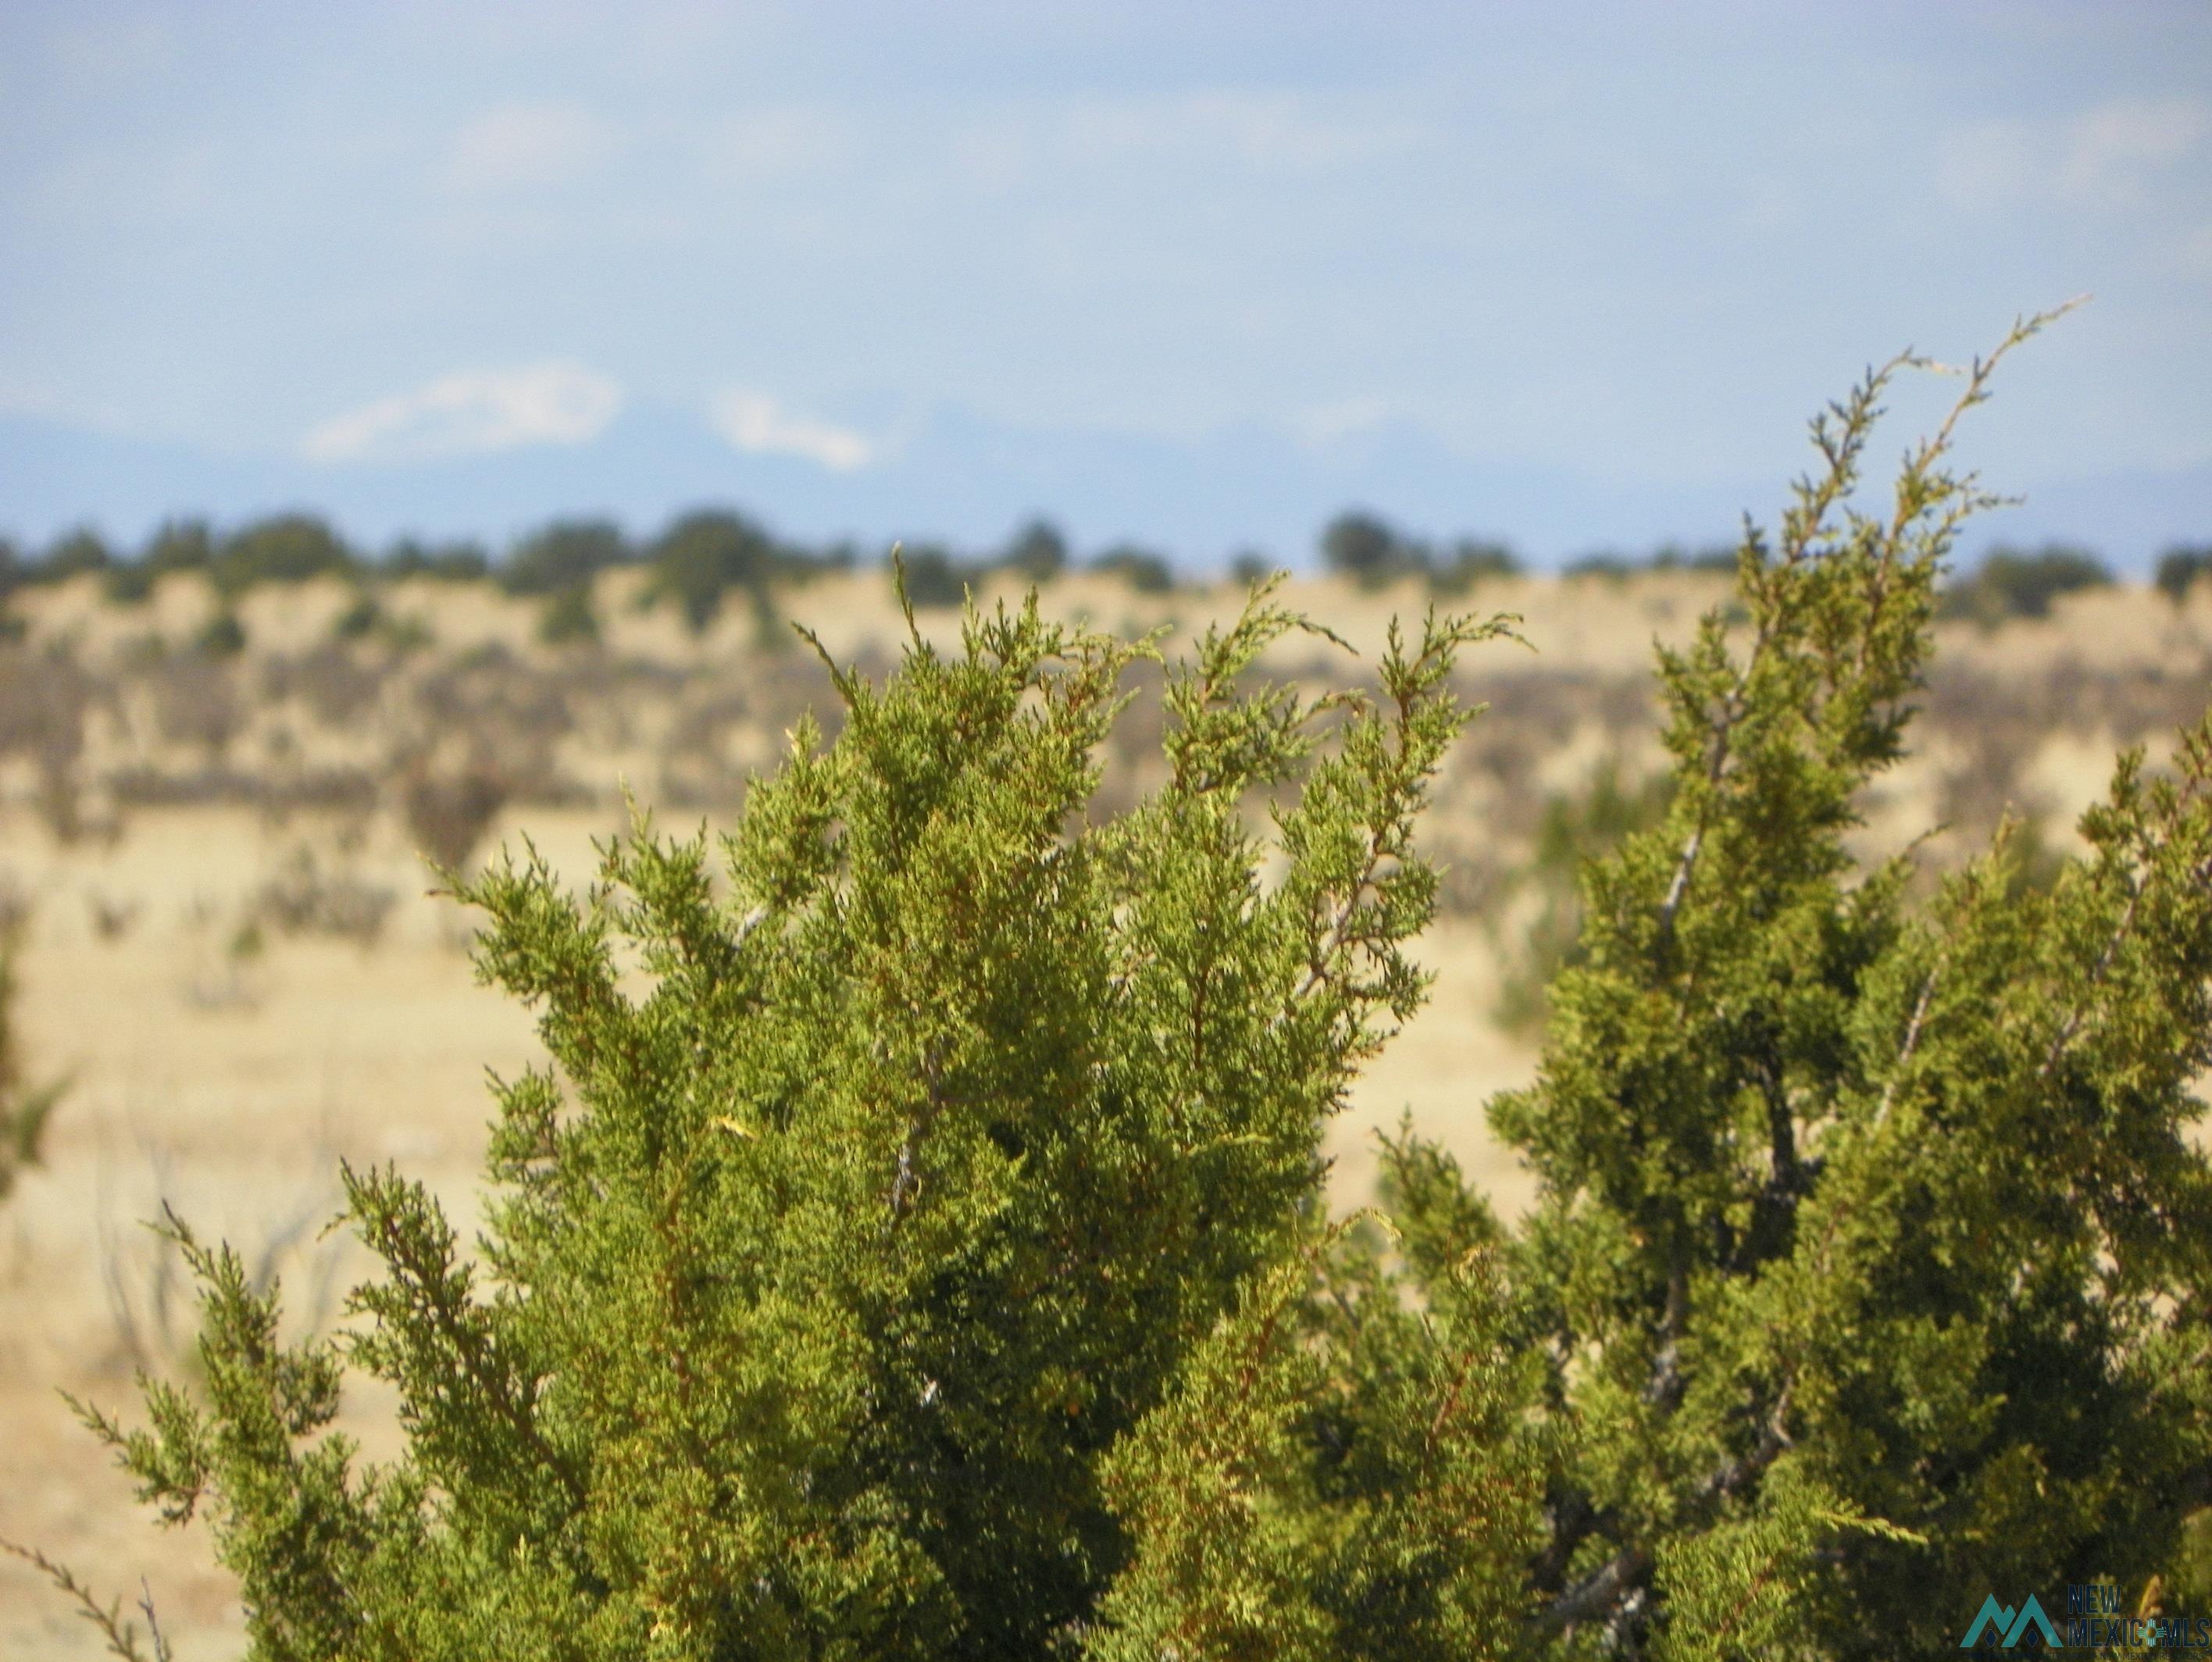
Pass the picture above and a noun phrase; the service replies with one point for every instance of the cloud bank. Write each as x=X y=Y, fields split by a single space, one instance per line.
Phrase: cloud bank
x=756 y=424
x=472 y=413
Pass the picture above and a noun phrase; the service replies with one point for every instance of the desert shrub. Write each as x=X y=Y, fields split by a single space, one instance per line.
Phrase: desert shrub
x=2181 y=568
x=129 y=584
x=196 y=701
x=1141 y=569
x=1372 y=552
x=46 y=697
x=222 y=636
x=564 y=556
x=361 y=617
x=2021 y=583
x=703 y=557
x=1674 y=556
x=1469 y=561
x=930 y=575
x=933 y=575
x=287 y=548
x=179 y=545
x=1369 y=549
x=338 y=686
x=1616 y=567
x=446 y=562
x=447 y=812
x=569 y=618
x=24 y=1108
x=1604 y=565
x=304 y=898
x=1037 y=552
x=76 y=553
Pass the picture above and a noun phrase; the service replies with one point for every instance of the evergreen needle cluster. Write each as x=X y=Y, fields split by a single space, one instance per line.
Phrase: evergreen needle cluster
x=914 y=1248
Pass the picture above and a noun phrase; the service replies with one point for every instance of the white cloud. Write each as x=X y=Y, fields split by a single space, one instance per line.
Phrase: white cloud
x=2110 y=150
x=756 y=424
x=519 y=146
x=471 y=414
x=2105 y=157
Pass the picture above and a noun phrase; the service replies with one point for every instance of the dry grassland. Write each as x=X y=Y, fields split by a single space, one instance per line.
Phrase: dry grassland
x=231 y=950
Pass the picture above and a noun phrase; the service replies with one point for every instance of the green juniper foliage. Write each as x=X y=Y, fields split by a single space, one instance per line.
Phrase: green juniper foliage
x=1870 y=1267
x=850 y=1290
x=914 y=1248
x=1575 y=829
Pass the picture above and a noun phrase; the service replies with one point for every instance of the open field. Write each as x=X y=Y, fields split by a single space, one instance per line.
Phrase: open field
x=231 y=949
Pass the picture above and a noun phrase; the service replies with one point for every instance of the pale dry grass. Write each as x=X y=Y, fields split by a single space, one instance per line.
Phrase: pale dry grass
x=225 y=1066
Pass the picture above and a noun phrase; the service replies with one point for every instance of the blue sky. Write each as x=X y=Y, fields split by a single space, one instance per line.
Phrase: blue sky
x=1197 y=274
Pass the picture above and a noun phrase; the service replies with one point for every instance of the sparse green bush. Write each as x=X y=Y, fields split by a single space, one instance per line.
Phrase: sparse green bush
x=2180 y=569
x=1369 y=549
x=361 y=619
x=934 y=576
x=1604 y=565
x=222 y=636
x=81 y=551
x=1146 y=572
x=447 y=812
x=2017 y=583
x=290 y=547
x=180 y=545
x=569 y=618
x=1037 y=552
x=446 y=562
x=1250 y=566
x=564 y=555
x=1472 y=560
x=1372 y=552
x=703 y=557
x=24 y=1108
x=1616 y=567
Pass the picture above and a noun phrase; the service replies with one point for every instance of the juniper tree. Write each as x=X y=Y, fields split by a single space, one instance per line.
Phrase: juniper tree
x=1870 y=1273
x=1870 y=1266
x=883 y=1229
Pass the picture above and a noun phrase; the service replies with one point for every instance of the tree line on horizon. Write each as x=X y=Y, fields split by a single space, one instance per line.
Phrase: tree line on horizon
x=704 y=557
